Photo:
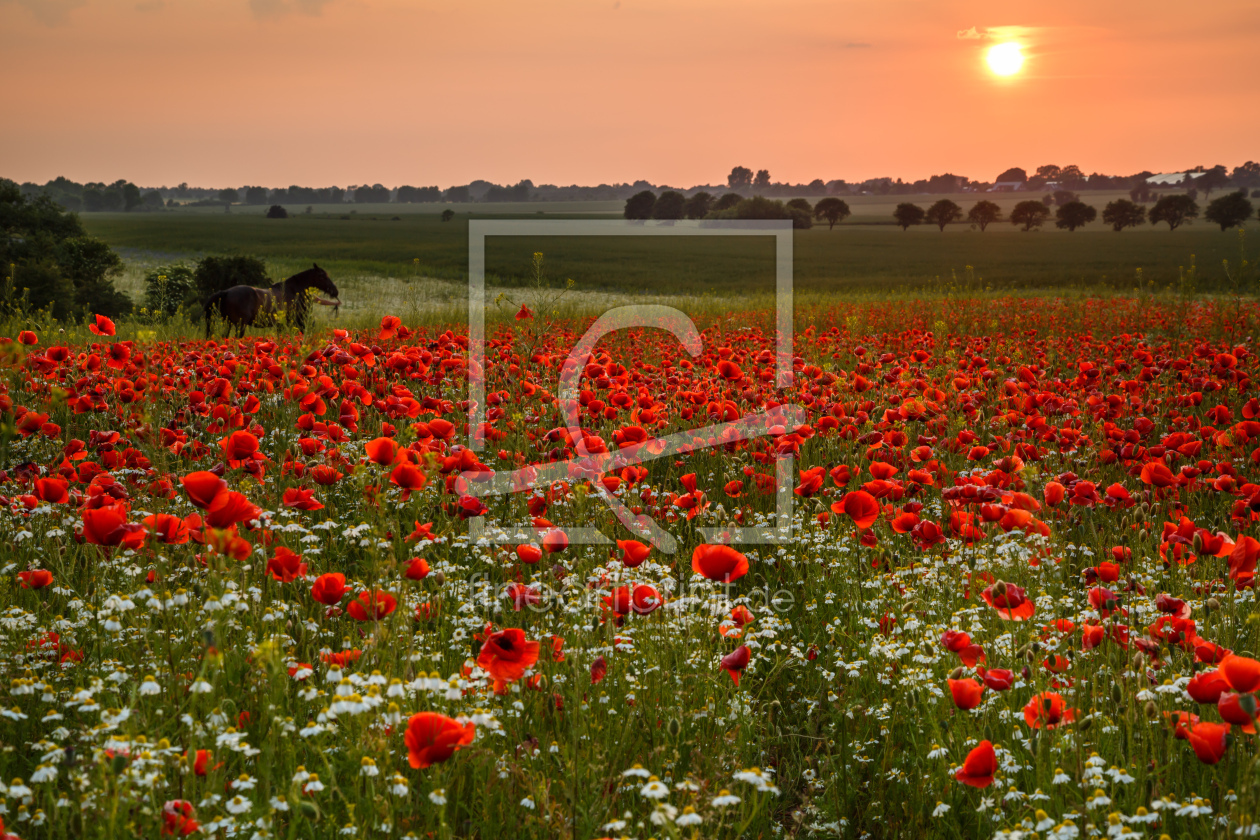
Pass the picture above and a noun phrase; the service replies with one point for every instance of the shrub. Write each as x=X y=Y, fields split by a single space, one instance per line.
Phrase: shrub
x=169 y=288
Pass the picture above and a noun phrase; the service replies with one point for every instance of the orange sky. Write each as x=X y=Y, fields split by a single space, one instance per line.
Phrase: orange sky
x=318 y=92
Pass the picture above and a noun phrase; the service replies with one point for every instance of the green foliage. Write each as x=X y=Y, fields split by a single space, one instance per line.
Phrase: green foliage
x=214 y=274
x=448 y=214
x=639 y=205
x=1175 y=210
x=169 y=288
x=832 y=209
x=670 y=205
x=1230 y=210
x=908 y=214
x=698 y=205
x=942 y=213
x=729 y=200
x=52 y=258
x=1030 y=214
x=1074 y=214
x=1123 y=213
x=984 y=213
x=758 y=207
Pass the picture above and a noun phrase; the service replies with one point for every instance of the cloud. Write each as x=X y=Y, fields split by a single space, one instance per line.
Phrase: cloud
x=277 y=8
x=48 y=12
x=969 y=35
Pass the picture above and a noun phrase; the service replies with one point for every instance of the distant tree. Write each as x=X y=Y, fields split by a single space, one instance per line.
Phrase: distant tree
x=1123 y=213
x=1229 y=210
x=1045 y=175
x=817 y=187
x=1012 y=174
x=1141 y=193
x=1062 y=197
x=228 y=195
x=983 y=214
x=801 y=204
x=448 y=214
x=1048 y=199
x=697 y=207
x=375 y=194
x=759 y=207
x=741 y=176
x=1213 y=179
x=1074 y=214
x=277 y=212
x=833 y=210
x=727 y=201
x=1247 y=175
x=762 y=180
x=1072 y=177
x=152 y=200
x=908 y=214
x=639 y=205
x=1176 y=210
x=255 y=195
x=942 y=213
x=458 y=195
x=1030 y=214
x=670 y=205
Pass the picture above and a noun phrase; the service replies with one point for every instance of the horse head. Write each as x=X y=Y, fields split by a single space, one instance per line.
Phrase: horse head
x=320 y=280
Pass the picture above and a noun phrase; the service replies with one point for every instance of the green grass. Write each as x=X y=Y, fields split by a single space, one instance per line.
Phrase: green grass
x=862 y=255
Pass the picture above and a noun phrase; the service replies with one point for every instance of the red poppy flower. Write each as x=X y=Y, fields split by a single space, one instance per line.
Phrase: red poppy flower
x=966 y=693
x=300 y=498
x=238 y=447
x=719 y=562
x=1230 y=706
x=979 y=766
x=633 y=552
x=555 y=541
x=432 y=738
x=998 y=679
x=178 y=818
x=381 y=451
x=168 y=529
x=1047 y=710
x=860 y=506
x=329 y=588
x=101 y=326
x=1208 y=741
x=645 y=599
x=35 y=579
x=371 y=605
x=599 y=669
x=507 y=655
x=230 y=508
x=28 y=338
x=52 y=490
x=1242 y=673
x=203 y=488
x=1009 y=600
x=108 y=526
x=417 y=569
x=735 y=662
x=286 y=566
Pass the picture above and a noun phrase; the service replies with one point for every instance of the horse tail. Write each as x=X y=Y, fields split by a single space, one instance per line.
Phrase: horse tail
x=216 y=298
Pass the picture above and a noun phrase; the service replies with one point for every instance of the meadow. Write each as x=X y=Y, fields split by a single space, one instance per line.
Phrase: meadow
x=866 y=254
x=1015 y=593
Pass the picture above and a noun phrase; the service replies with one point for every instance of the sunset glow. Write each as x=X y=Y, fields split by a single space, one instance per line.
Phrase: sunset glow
x=1005 y=59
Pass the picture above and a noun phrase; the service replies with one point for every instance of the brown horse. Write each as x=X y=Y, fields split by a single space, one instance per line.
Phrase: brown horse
x=247 y=306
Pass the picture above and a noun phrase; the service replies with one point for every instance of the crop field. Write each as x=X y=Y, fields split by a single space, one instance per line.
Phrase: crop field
x=1013 y=595
x=863 y=255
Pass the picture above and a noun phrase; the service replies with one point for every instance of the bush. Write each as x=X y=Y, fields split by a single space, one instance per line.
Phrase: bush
x=55 y=265
x=758 y=207
x=277 y=212
x=170 y=288
x=214 y=274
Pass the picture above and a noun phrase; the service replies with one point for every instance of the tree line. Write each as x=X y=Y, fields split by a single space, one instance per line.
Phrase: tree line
x=1175 y=210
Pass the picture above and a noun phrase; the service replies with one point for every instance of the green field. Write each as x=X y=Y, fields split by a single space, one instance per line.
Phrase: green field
x=362 y=245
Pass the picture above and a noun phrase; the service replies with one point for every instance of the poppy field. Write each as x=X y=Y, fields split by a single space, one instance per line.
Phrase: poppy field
x=239 y=596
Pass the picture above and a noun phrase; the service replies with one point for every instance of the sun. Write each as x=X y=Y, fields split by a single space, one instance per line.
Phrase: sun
x=1005 y=59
